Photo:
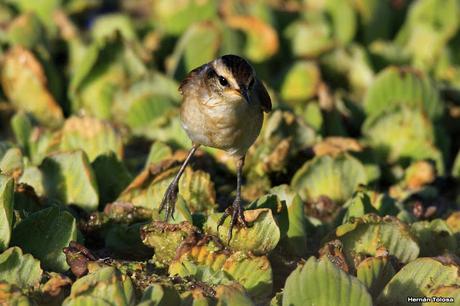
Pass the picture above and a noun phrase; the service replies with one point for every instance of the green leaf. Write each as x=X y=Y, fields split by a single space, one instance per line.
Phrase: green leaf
x=321 y=283
x=6 y=210
x=428 y=23
x=165 y=238
x=27 y=31
x=158 y=295
x=369 y=234
x=293 y=226
x=195 y=187
x=456 y=166
x=44 y=9
x=283 y=136
x=207 y=264
x=260 y=237
x=18 y=269
x=125 y=241
x=418 y=279
x=44 y=234
x=176 y=17
x=91 y=135
x=300 y=83
x=11 y=163
x=25 y=84
x=403 y=135
x=145 y=104
x=111 y=175
x=106 y=24
x=335 y=177
x=69 y=178
x=359 y=205
x=434 y=237
x=188 y=55
x=397 y=87
x=107 y=285
x=22 y=128
x=375 y=273
x=107 y=66
x=318 y=33
x=232 y=295
x=343 y=19
x=158 y=152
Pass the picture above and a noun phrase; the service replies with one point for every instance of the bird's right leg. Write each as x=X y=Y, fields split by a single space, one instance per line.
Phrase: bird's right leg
x=170 y=196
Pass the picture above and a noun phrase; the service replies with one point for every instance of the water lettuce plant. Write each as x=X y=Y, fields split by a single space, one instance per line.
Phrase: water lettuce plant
x=351 y=192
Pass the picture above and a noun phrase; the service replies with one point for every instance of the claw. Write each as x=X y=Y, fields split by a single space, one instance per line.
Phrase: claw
x=236 y=211
x=169 y=201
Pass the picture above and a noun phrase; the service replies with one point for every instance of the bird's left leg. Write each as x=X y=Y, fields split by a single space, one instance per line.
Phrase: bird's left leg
x=235 y=210
x=170 y=196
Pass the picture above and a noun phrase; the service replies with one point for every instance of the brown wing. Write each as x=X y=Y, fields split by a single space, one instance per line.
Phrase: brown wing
x=189 y=77
x=262 y=95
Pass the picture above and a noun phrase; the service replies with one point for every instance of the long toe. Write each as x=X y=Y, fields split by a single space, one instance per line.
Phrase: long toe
x=169 y=202
x=241 y=218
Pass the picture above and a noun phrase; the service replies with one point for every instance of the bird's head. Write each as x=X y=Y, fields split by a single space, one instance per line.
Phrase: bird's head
x=231 y=76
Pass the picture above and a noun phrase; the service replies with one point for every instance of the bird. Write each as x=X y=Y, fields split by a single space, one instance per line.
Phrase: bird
x=222 y=107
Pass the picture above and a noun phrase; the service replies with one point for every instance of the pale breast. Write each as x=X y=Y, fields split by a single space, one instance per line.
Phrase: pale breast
x=232 y=126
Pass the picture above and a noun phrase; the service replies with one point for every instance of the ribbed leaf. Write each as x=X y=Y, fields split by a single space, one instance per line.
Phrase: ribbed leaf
x=91 y=135
x=259 y=238
x=434 y=237
x=370 y=233
x=321 y=283
x=288 y=209
x=195 y=187
x=253 y=273
x=335 y=177
x=19 y=269
x=107 y=284
x=395 y=87
x=375 y=273
x=359 y=205
x=166 y=238
x=403 y=135
x=419 y=278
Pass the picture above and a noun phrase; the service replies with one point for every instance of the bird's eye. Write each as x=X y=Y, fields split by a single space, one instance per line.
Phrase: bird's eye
x=223 y=81
x=251 y=83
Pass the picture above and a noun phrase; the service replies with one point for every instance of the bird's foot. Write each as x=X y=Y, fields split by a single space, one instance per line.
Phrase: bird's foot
x=169 y=201
x=236 y=212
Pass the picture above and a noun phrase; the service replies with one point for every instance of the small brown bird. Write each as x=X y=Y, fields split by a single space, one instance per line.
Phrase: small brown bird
x=223 y=105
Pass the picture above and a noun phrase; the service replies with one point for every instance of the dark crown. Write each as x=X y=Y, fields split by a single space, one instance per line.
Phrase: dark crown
x=239 y=67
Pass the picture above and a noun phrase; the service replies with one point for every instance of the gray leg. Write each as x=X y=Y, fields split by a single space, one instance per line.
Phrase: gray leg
x=170 y=196
x=235 y=210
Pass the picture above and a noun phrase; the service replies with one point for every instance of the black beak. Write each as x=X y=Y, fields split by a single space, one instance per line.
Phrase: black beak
x=246 y=95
